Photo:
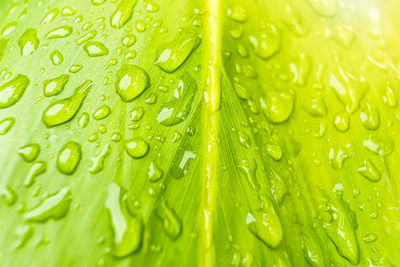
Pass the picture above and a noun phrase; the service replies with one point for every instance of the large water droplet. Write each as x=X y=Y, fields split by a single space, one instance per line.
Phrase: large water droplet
x=69 y=157
x=28 y=42
x=59 y=32
x=278 y=105
x=177 y=51
x=131 y=82
x=127 y=230
x=55 y=86
x=122 y=13
x=265 y=225
x=95 y=49
x=55 y=207
x=12 y=91
x=266 y=42
x=65 y=109
x=136 y=147
x=29 y=152
x=176 y=110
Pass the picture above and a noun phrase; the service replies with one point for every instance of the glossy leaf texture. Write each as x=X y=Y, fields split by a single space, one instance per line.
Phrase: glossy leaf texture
x=199 y=133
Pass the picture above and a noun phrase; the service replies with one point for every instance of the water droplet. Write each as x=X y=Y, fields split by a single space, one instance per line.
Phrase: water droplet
x=381 y=147
x=29 y=152
x=55 y=86
x=54 y=206
x=28 y=42
x=127 y=230
x=340 y=229
x=369 y=238
x=172 y=225
x=370 y=117
x=9 y=195
x=98 y=161
x=369 y=171
x=176 y=110
x=83 y=120
x=249 y=168
x=102 y=112
x=316 y=106
x=68 y=11
x=75 y=68
x=8 y=28
x=59 y=32
x=265 y=225
x=50 y=16
x=12 y=91
x=181 y=163
x=325 y=8
x=69 y=157
x=278 y=105
x=175 y=53
x=274 y=151
x=65 y=109
x=90 y=35
x=136 y=114
x=266 y=42
x=122 y=13
x=38 y=168
x=154 y=172
x=301 y=69
x=98 y=2
x=348 y=88
x=294 y=21
x=244 y=139
x=312 y=251
x=95 y=49
x=131 y=82
x=342 y=121
x=56 y=57
x=24 y=233
x=237 y=13
x=389 y=97
x=151 y=6
x=140 y=26
x=6 y=125
x=337 y=157
x=128 y=40
x=136 y=147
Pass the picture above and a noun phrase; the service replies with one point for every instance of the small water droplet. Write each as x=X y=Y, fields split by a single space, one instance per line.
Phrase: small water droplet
x=69 y=157
x=131 y=82
x=28 y=42
x=55 y=86
x=6 y=125
x=59 y=32
x=95 y=49
x=29 y=152
x=102 y=112
x=136 y=147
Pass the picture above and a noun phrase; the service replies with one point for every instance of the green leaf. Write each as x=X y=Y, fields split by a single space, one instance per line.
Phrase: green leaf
x=199 y=133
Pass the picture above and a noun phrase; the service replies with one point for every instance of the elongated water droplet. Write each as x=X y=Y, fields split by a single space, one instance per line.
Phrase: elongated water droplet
x=312 y=251
x=154 y=173
x=98 y=161
x=369 y=238
x=131 y=82
x=50 y=16
x=55 y=207
x=123 y=13
x=12 y=91
x=340 y=228
x=55 y=86
x=128 y=40
x=369 y=171
x=98 y=2
x=68 y=11
x=90 y=35
x=6 y=125
x=175 y=53
x=65 y=109
x=69 y=157
x=29 y=152
x=127 y=230
x=83 y=120
x=265 y=225
x=59 y=32
x=278 y=106
x=136 y=147
x=8 y=28
x=172 y=225
x=28 y=42
x=176 y=110
x=38 y=168
x=266 y=42
x=136 y=114
x=95 y=49
x=274 y=151
x=24 y=233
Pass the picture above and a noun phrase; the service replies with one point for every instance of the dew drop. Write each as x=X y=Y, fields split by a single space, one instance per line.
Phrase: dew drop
x=60 y=32
x=136 y=147
x=55 y=86
x=69 y=157
x=12 y=91
x=28 y=42
x=131 y=82
x=95 y=49
x=29 y=152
